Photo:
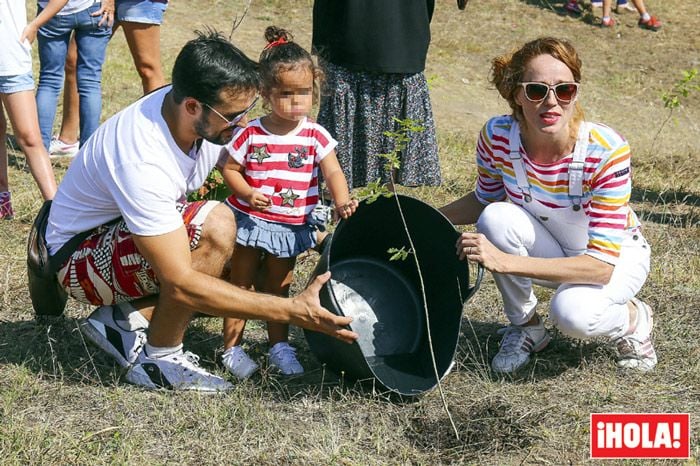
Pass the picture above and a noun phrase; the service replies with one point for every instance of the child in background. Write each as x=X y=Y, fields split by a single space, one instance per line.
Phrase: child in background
x=572 y=6
x=91 y=22
x=646 y=21
x=273 y=174
x=17 y=96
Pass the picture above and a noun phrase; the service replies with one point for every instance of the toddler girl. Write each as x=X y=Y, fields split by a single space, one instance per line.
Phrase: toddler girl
x=273 y=174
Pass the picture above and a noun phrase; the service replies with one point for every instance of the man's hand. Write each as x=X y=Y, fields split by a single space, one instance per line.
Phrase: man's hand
x=310 y=314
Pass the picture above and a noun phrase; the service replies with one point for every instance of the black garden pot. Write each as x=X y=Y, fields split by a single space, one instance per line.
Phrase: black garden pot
x=385 y=300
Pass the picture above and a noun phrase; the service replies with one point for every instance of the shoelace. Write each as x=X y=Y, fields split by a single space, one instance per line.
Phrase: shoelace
x=628 y=348
x=141 y=339
x=191 y=358
x=287 y=354
x=194 y=367
x=512 y=337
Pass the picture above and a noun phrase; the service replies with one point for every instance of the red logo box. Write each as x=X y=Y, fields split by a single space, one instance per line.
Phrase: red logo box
x=640 y=435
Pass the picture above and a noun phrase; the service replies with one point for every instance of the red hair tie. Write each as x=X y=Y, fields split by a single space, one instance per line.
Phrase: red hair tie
x=275 y=43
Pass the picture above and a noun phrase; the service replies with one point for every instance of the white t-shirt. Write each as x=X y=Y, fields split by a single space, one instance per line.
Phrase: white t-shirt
x=15 y=57
x=130 y=167
x=73 y=6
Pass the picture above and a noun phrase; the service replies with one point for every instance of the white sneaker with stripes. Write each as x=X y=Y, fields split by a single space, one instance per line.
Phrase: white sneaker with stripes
x=104 y=329
x=517 y=344
x=636 y=351
x=177 y=371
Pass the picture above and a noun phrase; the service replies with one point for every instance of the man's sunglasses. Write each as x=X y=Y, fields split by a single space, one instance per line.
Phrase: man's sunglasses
x=537 y=92
x=239 y=116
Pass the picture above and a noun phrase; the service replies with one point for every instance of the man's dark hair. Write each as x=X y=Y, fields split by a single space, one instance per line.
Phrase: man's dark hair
x=207 y=65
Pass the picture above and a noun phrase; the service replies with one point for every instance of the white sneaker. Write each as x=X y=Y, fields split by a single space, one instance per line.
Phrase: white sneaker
x=177 y=371
x=283 y=358
x=626 y=8
x=103 y=329
x=517 y=344
x=238 y=363
x=58 y=148
x=635 y=351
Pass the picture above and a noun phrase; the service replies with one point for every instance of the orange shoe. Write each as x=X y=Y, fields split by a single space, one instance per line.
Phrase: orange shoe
x=608 y=22
x=653 y=23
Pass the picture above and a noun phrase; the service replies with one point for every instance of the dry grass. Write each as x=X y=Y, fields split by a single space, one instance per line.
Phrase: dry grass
x=61 y=402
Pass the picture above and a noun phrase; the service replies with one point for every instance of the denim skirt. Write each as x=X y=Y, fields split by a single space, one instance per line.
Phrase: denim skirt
x=279 y=239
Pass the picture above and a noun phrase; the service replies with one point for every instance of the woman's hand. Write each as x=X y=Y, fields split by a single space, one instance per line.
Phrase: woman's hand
x=476 y=248
x=106 y=12
x=258 y=201
x=346 y=210
x=29 y=33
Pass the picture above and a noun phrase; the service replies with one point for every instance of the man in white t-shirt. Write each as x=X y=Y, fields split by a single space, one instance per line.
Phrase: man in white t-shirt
x=152 y=259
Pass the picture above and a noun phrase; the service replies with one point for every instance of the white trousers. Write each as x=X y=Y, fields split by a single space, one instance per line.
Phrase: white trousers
x=580 y=311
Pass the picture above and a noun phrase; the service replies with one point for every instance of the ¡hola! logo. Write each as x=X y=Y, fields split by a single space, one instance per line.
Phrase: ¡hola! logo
x=618 y=435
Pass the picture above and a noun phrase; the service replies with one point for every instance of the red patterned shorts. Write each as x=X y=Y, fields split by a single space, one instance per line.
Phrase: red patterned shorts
x=106 y=268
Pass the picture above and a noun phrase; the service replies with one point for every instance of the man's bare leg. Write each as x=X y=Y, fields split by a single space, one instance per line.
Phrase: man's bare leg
x=215 y=248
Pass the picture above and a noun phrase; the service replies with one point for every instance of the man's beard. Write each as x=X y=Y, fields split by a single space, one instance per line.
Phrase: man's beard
x=202 y=128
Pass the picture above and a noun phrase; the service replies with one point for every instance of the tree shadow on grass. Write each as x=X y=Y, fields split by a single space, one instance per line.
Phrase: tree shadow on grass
x=678 y=209
x=55 y=348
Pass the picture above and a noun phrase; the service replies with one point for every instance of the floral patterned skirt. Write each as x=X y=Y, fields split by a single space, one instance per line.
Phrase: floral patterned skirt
x=357 y=108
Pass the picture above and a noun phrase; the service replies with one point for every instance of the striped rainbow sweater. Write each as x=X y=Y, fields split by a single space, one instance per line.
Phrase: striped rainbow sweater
x=606 y=185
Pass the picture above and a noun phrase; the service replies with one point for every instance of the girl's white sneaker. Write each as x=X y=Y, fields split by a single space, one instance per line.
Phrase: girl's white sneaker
x=238 y=363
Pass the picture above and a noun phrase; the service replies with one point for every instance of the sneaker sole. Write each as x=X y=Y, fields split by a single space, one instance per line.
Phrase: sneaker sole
x=94 y=335
x=274 y=369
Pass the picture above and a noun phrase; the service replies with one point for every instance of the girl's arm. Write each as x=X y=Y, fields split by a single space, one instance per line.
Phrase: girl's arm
x=53 y=7
x=337 y=185
x=232 y=172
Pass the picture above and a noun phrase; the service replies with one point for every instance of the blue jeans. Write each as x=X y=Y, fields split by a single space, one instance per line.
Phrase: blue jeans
x=92 y=42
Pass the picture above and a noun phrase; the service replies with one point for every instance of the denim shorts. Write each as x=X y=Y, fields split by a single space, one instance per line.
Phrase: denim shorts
x=16 y=83
x=140 y=11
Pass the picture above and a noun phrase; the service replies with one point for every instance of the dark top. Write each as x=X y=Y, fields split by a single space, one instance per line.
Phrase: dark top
x=386 y=36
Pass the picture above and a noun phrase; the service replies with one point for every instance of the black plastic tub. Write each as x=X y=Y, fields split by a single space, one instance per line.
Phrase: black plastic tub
x=385 y=300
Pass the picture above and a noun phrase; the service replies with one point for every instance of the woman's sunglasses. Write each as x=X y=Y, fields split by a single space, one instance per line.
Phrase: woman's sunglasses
x=537 y=92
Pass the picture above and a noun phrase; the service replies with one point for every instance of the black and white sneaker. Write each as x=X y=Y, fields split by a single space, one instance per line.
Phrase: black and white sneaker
x=177 y=371
x=103 y=329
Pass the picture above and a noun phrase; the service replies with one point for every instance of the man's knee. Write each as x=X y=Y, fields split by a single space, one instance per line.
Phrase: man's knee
x=219 y=229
